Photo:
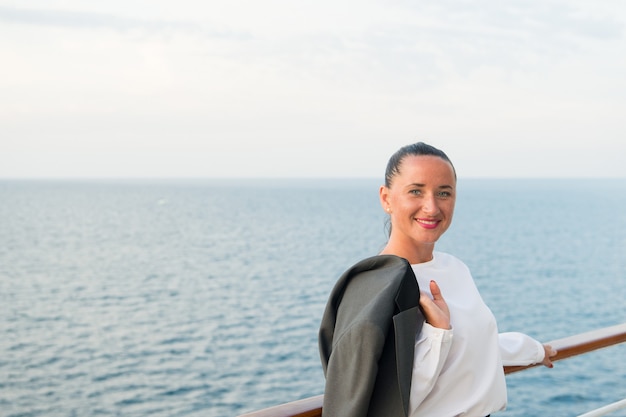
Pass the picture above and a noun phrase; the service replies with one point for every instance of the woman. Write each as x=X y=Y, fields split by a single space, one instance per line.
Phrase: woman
x=406 y=333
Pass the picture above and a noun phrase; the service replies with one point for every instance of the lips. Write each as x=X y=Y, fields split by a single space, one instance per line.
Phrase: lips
x=428 y=223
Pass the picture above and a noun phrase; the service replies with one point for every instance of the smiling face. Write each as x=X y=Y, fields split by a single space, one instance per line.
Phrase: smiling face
x=420 y=202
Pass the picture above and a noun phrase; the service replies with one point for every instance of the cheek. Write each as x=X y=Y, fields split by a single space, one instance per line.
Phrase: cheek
x=449 y=214
x=397 y=204
x=405 y=207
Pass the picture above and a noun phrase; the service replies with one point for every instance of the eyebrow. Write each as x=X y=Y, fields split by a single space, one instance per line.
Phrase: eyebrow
x=423 y=185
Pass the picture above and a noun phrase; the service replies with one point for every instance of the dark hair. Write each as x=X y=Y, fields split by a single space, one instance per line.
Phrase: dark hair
x=416 y=149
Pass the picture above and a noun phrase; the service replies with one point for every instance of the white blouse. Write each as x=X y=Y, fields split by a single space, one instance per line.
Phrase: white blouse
x=458 y=372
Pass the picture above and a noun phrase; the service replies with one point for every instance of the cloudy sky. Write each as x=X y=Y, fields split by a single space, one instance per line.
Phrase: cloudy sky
x=287 y=88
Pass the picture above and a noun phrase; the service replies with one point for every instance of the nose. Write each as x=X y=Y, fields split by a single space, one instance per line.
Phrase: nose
x=430 y=206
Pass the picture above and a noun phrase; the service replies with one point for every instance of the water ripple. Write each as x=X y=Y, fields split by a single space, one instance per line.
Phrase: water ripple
x=208 y=305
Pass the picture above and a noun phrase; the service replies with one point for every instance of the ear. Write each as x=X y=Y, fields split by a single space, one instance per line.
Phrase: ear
x=383 y=193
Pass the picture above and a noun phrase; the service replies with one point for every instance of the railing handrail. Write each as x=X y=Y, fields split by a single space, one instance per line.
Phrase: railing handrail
x=581 y=343
x=566 y=347
x=602 y=411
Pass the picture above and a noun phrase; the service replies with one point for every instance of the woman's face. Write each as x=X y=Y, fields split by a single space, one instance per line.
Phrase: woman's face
x=420 y=200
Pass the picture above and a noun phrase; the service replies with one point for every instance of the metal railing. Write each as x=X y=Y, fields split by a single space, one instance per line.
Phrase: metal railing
x=602 y=411
x=566 y=347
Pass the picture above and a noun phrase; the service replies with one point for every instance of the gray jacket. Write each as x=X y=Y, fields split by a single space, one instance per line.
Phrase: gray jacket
x=367 y=339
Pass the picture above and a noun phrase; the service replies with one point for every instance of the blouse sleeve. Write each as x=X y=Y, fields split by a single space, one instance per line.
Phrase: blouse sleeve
x=431 y=349
x=518 y=349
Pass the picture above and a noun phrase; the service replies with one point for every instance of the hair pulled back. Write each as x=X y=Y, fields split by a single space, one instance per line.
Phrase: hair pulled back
x=416 y=149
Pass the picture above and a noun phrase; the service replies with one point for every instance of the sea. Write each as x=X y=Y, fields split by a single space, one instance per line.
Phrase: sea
x=204 y=297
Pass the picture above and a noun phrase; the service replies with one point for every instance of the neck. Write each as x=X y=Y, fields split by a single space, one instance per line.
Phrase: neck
x=415 y=255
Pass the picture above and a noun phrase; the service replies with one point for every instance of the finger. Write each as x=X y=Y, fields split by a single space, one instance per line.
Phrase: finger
x=425 y=301
x=428 y=305
x=433 y=313
x=550 y=351
x=435 y=291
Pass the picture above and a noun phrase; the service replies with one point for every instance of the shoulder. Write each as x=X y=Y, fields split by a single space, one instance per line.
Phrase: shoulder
x=362 y=300
x=378 y=283
x=381 y=273
x=373 y=284
x=365 y=299
x=366 y=295
x=379 y=262
x=446 y=260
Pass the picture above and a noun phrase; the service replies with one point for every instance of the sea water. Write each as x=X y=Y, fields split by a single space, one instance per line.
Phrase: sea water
x=203 y=298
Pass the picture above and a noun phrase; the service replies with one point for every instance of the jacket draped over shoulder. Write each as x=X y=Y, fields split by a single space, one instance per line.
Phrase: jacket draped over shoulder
x=367 y=339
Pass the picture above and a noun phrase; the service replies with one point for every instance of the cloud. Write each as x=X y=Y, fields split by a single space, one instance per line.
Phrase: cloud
x=91 y=20
x=144 y=80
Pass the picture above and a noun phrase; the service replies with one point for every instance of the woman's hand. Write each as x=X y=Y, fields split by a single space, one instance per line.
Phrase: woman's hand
x=550 y=353
x=435 y=309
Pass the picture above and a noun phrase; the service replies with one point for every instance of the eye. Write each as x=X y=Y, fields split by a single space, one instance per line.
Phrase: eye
x=415 y=192
x=444 y=194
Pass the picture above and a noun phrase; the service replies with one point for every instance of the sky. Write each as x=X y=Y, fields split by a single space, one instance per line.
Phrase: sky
x=321 y=89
